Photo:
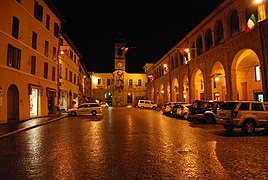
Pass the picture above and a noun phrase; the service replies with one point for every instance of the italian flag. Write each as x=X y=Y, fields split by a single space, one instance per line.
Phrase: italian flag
x=251 y=23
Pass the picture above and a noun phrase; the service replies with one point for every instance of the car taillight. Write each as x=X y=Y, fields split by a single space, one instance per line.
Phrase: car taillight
x=234 y=114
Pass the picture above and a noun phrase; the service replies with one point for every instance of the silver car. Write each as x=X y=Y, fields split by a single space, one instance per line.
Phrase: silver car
x=85 y=109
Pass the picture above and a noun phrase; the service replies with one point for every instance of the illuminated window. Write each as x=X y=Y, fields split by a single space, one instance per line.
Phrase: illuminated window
x=130 y=82
x=257 y=73
x=139 y=82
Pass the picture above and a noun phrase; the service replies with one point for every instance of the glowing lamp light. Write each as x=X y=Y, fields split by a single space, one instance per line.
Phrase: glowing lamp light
x=258 y=1
x=186 y=50
x=217 y=79
x=61 y=52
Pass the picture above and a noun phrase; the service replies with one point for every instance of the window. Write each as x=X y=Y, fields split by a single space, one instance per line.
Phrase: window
x=15 y=27
x=244 y=106
x=46 y=49
x=33 y=64
x=60 y=70
x=61 y=42
x=70 y=76
x=257 y=107
x=74 y=78
x=47 y=21
x=53 y=73
x=13 y=56
x=139 y=82
x=257 y=73
x=56 y=30
x=38 y=11
x=75 y=59
x=66 y=73
x=71 y=54
x=34 y=40
x=45 y=70
x=99 y=81
x=108 y=82
x=130 y=82
x=54 y=55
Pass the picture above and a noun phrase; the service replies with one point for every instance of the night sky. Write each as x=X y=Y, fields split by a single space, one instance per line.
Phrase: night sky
x=151 y=28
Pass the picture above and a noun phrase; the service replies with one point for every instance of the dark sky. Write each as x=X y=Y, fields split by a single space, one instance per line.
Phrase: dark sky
x=150 y=27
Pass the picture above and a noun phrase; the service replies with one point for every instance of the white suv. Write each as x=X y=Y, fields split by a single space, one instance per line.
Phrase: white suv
x=246 y=115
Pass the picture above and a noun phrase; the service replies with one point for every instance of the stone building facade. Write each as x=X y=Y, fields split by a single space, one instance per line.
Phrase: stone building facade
x=218 y=60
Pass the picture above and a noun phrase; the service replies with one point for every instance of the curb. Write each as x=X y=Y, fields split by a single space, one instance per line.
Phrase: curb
x=31 y=127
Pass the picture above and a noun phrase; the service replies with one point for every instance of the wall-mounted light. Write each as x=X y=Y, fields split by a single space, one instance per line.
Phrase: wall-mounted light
x=217 y=79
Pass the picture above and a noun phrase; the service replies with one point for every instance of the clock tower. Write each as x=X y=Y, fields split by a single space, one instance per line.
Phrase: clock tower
x=120 y=54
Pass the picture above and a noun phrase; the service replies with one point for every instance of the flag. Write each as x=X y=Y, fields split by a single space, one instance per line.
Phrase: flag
x=251 y=23
x=182 y=50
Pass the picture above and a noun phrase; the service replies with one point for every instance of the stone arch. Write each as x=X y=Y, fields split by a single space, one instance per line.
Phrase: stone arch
x=218 y=82
x=185 y=92
x=197 y=85
x=246 y=76
x=175 y=90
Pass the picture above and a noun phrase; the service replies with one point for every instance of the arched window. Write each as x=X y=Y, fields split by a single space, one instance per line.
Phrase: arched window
x=171 y=63
x=218 y=33
x=181 y=59
x=176 y=60
x=199 y=44
x=193 y=50
x=208 y=40
x=234 y=23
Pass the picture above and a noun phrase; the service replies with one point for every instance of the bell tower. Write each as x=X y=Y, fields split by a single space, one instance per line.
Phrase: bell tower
x=120 y=53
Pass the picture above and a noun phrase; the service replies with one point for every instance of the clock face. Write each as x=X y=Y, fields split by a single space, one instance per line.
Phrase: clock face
x=119 y=64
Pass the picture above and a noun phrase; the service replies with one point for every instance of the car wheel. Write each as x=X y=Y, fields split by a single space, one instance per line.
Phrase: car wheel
x=93 y=113
x=142 y=107
x=209 y=119
x=153 y=107
x=185 y=116
x=228 y=127
x=248 y=126
x=73 y=113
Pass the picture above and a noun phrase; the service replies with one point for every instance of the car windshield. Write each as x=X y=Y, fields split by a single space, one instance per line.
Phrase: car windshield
x=228 y=105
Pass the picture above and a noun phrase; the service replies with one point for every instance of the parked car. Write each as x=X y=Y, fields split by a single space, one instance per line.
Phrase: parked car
x=204 y=110
x=176 y=107
x=146 y=104
x=85 y=109
x=104 y=104
x=246 y=115
x=183 y=111
x=167 y=107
